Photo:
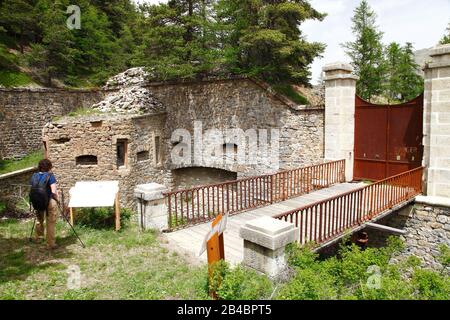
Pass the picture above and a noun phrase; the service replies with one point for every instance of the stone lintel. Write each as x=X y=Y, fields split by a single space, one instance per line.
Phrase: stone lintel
x=268 y=232
x=433 y=201
x=150 y=192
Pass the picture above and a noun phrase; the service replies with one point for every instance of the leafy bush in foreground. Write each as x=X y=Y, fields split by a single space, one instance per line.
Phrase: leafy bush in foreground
x=363 y=275
x=101 y=218
x=238 y=283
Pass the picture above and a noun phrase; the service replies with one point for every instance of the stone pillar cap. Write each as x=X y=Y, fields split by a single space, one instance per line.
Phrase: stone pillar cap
x=335 y=66
x=440 y=50
x=150 y=191
x=268 y=232
x=269 y=225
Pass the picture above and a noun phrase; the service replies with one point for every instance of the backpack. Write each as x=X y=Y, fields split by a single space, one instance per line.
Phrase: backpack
x=38 y=193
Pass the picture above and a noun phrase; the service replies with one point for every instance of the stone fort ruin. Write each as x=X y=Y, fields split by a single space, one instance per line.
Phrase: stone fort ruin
x=130 y=137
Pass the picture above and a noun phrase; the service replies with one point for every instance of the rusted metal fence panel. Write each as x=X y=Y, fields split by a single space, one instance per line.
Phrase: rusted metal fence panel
x=323 y=221
x=388 y=138
x=201 y=204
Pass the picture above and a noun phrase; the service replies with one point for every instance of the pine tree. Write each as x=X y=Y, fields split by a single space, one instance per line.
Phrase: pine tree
x=446 y=38
x=366 y=52
x=17 y=17
x=263 y=38
x=411 y=84
x=178 y=41
x=54 y=57
x=393 y=84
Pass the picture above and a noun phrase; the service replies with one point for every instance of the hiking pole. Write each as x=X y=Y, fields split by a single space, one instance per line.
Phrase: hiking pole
x=34 y=223
x=61 y=207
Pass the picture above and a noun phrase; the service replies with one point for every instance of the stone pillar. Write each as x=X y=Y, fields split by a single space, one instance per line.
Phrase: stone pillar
x=265 y=240
x=151 y=206
x=437 y=123
x=340 y=92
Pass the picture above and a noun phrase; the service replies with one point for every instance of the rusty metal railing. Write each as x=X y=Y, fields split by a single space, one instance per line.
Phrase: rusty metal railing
x=201 y=204
x=326 y=220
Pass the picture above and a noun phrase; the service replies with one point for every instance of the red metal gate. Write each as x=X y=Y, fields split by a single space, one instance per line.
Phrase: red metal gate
x=388 y=139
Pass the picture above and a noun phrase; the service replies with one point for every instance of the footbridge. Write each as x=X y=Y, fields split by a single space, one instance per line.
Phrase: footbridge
x=316 y=199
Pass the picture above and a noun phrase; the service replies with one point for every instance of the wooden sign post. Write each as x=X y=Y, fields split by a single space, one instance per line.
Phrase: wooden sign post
x=214 y=244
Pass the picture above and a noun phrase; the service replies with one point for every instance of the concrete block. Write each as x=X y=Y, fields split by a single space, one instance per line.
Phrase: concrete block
x=151 y=206
x=265 y=240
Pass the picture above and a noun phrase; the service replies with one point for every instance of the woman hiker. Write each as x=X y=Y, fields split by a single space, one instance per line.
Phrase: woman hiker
x=44 y=197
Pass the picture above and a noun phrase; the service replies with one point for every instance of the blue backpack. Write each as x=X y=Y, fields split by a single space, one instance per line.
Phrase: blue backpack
x=38 y=193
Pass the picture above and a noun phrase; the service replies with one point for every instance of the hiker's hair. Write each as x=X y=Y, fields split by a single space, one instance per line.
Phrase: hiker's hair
x=45 y=165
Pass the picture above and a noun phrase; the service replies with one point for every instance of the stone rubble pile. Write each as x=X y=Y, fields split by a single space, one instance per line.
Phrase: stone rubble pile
x=131 y=77
x=132 y=98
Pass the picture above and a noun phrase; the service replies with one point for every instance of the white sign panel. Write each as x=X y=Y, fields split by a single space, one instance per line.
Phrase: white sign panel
x=218 y=228
x=93 y=194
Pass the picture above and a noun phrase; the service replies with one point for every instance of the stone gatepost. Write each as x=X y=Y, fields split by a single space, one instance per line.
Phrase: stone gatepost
x=265 y=240
x=437 y=123
x=340 y=92
x=151 y=206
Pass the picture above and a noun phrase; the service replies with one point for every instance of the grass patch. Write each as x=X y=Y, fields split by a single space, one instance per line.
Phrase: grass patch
x=114 y=265
x=2 y=207
x=83 y=112
x=288 y=91
x=28 y=161
x=12 y=79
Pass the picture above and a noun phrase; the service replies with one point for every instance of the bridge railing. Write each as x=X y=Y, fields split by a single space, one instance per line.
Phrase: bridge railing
x=201 y=204
x=325 y=220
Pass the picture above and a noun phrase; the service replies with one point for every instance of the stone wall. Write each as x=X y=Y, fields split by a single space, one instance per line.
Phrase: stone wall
x=15 y=185
x=70 y=140
x=427 y=227
x=24 y=112
x=244 y=104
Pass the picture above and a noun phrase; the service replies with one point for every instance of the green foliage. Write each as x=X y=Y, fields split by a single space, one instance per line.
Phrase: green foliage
x=389 y=72
x=445 y=255
x=288 y=91
x=178 y=40
x=350 y=276
x=101 y=218
x=238 y=283
x=11 y=79
x=366 y=52
x=28 y=161
x=403 y=82
x=2 y=207
x=263 y=38
x=446 y=38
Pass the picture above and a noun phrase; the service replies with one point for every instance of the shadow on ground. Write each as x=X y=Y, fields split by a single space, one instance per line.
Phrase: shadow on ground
x=19 y=257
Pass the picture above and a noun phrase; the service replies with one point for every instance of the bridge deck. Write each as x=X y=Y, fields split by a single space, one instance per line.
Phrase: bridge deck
x=190 y=240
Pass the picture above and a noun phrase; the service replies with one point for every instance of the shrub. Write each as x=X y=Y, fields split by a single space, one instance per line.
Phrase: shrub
x=308 y=284
x=2 y=207
x=430 y=285
x=101 y=218
x=238 y=283
x=445 y=255
x=347 y=276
